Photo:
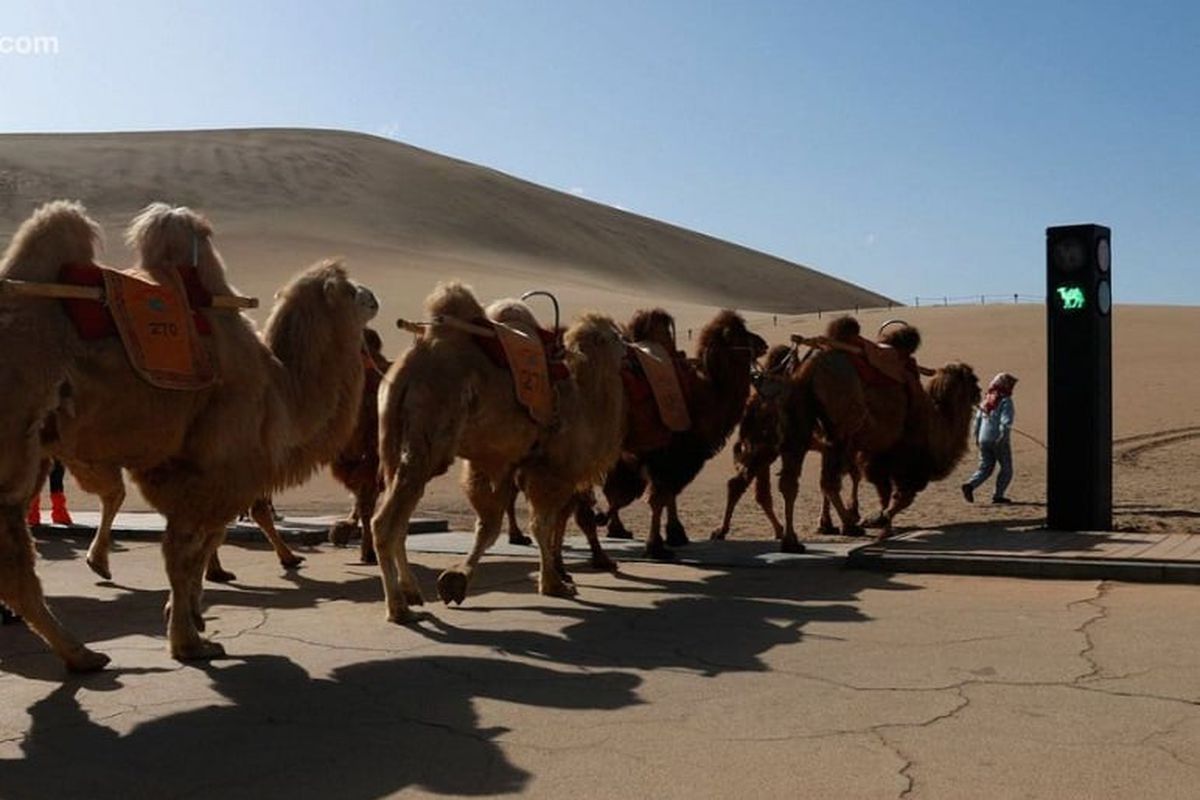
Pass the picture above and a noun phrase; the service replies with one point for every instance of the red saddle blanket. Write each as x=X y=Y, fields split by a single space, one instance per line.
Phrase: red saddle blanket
x=648 y=429
x=881 y=364
x=528 y=360
x=157 y=326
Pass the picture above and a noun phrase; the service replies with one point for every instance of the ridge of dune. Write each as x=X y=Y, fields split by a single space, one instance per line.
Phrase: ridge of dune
x=351 y=189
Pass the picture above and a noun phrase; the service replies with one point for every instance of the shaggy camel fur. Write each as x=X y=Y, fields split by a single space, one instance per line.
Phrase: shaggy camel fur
x=283 y=406
x=716 y=384
x=445 y=399
x=901 y=439
x=357 y=465
x=757 y=448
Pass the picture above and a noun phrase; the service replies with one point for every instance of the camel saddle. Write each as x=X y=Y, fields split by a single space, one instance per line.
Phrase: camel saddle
x=159 y=327
x=528 y=359
x=647 y=365
x=883 y=364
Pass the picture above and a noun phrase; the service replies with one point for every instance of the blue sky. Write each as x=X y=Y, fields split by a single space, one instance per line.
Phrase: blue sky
x=916 y=148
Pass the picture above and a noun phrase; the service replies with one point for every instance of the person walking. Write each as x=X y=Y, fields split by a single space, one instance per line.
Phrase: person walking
x=59 y=515
x=993 y=428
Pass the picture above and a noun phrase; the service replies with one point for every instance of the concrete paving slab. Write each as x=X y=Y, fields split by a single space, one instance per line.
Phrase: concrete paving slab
x=801 y=679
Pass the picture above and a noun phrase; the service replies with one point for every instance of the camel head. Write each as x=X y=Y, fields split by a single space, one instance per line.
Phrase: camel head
x=955 y=387
x=167 y=238
x=321 y=303
x=652 y=325
x=595 y=340
x=59 y=232
x=726 y=338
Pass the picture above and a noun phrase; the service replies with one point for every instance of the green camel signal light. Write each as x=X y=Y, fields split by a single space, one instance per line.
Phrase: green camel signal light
x=1070 y=297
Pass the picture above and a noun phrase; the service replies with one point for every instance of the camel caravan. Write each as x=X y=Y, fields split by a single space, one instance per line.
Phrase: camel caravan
x=154 y=371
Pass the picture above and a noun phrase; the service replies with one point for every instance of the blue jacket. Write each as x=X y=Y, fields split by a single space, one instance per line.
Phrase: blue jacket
x=994 y=428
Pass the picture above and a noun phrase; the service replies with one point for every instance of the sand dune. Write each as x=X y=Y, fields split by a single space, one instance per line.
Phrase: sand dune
x=373 y=195
x=406 y=218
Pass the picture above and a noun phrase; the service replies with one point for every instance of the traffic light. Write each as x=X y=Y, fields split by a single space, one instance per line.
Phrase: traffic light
x=1079 y=385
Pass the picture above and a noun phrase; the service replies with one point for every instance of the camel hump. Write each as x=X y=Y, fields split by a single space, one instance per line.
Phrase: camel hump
x=515 y=314
x=453 y=299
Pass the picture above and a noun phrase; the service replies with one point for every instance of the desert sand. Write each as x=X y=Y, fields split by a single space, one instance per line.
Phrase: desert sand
x=405 y=218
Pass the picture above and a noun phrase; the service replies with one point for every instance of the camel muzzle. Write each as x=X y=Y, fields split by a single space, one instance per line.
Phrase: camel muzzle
x=366 y=300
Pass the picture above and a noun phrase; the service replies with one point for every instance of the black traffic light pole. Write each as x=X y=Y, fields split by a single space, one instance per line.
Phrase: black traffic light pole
x=1079 y=385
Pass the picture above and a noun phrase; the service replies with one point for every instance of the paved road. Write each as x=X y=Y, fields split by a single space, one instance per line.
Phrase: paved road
x=800 y=679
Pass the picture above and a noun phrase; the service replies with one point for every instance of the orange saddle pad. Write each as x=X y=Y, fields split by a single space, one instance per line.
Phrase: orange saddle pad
x=156 y=326
x=530 y=372
x=659 y=368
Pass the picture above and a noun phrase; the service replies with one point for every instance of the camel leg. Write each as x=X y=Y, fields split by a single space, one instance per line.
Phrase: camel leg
x=110 y=486
x=550 y=506
x=676 y=534
x=762 y=494
x=735 y=487
x=901 y=499
x=490 y=501
x=883 y=486
x=825 y=526
x=214 y=571
x=21 y=591
x=515 y=536
x=261 y=513
x=831 y=488
x=364 y=509
x=390 y=530
x=342 y=531
x=616 y=528
x=184 y=555
x=585 y=518
x=789 y=489
x=560 y=534
x=656 y=548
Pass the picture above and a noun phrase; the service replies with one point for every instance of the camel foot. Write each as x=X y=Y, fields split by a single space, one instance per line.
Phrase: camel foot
x=778 y=532
x=617 y=531
x=558 y=589
x=885 y=533
x=291 y=561
x=790 y=544
x=854 y=530
x=401 y=617
x=199 y=650
x=876 y=521
x=219 y=575
x=100 y=567
x=414 y=597
x=676 y=535
x=368 y=557
x=603 y=562
x=341 y=533
x=659 y=552
x=826 y=529
x=719 y=535
x=82 y=659
x=518 y=538
x=452 y=586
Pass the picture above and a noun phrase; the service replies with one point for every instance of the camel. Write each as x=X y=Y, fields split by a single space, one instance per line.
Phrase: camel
x=284 y=404
x=717 y=384
x=900 y=436
x=757 y=448
x=356 y=467
x=445 y=398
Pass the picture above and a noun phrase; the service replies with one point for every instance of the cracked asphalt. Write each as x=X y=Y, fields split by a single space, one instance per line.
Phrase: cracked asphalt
x=798 y=680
